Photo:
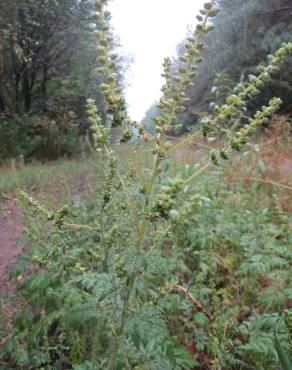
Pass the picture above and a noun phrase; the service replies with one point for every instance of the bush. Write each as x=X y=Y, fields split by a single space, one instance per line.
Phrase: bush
x=14 y=140
x=37 y=137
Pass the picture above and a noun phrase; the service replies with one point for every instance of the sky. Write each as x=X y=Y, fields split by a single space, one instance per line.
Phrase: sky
x=149 y=30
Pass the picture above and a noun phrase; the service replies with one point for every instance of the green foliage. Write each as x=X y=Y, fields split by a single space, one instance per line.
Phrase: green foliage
x=35 y=137
x=157 y=271
x=285 y=362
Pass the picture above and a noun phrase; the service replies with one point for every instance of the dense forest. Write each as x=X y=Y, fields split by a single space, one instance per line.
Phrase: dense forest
x=156 y=245
x=48 y=67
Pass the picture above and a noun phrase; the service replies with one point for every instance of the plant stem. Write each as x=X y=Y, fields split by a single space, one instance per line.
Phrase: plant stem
x=141 y=235
x=197 y=173
x=185 y=140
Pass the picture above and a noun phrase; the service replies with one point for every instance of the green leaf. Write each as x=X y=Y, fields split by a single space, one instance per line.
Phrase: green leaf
x=283 y=358
x=184 y=360
x=262 y=166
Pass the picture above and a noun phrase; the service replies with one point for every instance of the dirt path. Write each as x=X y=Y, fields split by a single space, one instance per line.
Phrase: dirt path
x=12 y=226
x=11 y=231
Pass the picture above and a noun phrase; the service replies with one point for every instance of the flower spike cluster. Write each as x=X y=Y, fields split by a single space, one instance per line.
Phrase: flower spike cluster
x=58 y=217
x=100 y=133
x=112 y=92
x=166 y=198
x=237 y=102
x=236 y=143
x=176 y=82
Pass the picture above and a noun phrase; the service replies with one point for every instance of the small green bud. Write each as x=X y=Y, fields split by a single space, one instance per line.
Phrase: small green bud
x=213 y=12
x=224 y=154
x=193 y=74
x=126 y=135
x=208 y=6
x=103 y=42
x=102 y=60
x=112 y=79
x=200 y=46
x=209 y=28
x=98 y=34
x=199 y=28
x=182 y=70
x=98 y=6
x=214 y=157
x=179 y=110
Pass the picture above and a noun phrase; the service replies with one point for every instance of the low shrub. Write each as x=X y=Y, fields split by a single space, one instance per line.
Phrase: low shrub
x=35 y=137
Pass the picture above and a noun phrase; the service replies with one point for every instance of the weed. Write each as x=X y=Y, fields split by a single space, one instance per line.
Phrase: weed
x=157 y=271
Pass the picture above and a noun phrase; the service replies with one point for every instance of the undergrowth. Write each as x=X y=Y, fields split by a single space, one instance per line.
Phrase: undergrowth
x=165 y=267
x=39 y=177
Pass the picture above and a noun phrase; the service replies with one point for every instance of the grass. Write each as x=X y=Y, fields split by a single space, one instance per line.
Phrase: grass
x=50 y=180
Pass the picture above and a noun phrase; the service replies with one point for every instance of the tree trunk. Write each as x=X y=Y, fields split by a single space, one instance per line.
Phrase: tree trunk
x=16 y=92
x=44 y=87
x=2 y=99
x=27 y=85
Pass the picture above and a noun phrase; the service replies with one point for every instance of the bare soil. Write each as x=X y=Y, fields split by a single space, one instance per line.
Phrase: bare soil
x=11 y=231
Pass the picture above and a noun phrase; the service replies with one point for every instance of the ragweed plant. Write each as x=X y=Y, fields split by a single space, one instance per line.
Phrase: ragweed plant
x=120 y=289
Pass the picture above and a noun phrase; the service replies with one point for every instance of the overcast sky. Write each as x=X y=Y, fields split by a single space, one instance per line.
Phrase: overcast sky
x=150 y=30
